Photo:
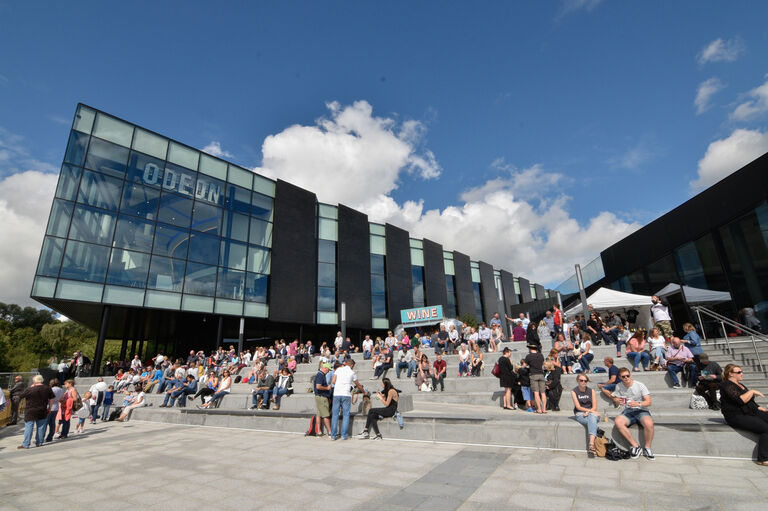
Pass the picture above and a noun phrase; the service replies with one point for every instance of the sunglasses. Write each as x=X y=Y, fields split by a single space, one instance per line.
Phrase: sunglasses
x=626 y=377
x=736 y=372
x=582 y=381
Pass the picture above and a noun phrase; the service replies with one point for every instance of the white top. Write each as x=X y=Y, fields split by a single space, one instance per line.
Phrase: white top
x=453 y=335
x=337 y=342
x=345 y=378
x=192 y=371
x=660 y=312
x=159 y=359
x=636 y=392
x=473 y=337
x=84 y=410
x=464 y=355
x=656 y=342
x=57 y=391
x=390 y=341
x=367 y=344
x=484 y=333
x=225 y=384
x=525 y=322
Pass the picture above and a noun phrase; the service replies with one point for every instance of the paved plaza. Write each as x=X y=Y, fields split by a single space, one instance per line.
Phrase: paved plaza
x=139 y=465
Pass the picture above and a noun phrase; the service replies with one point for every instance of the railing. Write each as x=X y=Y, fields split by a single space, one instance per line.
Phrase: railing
x=723 y=320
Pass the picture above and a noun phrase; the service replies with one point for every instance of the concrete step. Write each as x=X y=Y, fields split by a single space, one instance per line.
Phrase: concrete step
x=674 y=435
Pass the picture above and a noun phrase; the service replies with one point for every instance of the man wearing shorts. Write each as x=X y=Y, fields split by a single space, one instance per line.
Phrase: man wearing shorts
x=661 y=318
x=535 y=361
x=322 y=395
x=636 y=399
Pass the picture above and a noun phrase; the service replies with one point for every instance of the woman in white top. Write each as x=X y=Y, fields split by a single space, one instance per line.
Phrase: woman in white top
x=224 y=384
x=658 y=347
x=584 y=354
x=497 y=337
x=137 y=403
x=473 y=336
x=463 y=360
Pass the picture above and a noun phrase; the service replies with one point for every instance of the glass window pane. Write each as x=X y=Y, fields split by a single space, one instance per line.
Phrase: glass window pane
x=111 y=129
x=240 y=177
x=204 y=249
x=379 y=306
x=107 y=158
x=182 y=155
x=233 y=254
x=448 y=267
x=162 y=300
x=377 y=264
x=326 y=299
x=238 y=199
x=92 y=225
x=179 y=180
x=44 y=287
x=145 y=170
x=263 y=185
x=78 y=142
x=196 y=303
x=475 y=274
x=210 y=190
x=50 y=257
x=378 y=284
x=262 y=206
x=100 y=190
x=259 y=260
x=206 y=218
x=134 y=233
x=261 y=232
x=166 y=274
x=69 y=182
x=417 y=257
x=81 y=291
x=123 y=296
x=378 y=245
x=213 y=166
x=149 y=143
x=170 y=241
x=326 y=274
x=327 y=229
x=83 y=261
x=84 y=119
x=200 y=279
x=377 y=229
x=326 y=251
x=256 y=287
x=128 y=268
x=417 y=283
x=58 y=223
x=231 y=284
x=327 y=211
x=327 y=318
x=256 y=310
x=140 y=201
x=231 y=307
x=175 y=210
x=415 y=243
x=235 y=226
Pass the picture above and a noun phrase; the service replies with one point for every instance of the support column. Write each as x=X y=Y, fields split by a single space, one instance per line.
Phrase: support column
x=124 y=345
x=240 y=336
x=97 y=356
x=220 y=333
x=141 y=349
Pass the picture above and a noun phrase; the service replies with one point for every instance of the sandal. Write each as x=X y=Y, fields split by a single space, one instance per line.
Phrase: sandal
x=592 y=449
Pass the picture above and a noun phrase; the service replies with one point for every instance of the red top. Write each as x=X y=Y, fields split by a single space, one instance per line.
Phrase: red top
x=558 y=317
x=439 y=365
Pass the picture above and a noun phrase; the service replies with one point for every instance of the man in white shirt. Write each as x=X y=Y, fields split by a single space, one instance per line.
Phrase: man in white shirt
x=367 y=347
x=97 y=392
x=661 y=318
x=483 y=336
x=338 y=341
x=136 y=363
x=343 y=379
x=636 y=399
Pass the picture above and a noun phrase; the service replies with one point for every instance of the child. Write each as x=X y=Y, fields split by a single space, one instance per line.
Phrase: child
x=84 y=412
x=523 y=373
x=109 y=396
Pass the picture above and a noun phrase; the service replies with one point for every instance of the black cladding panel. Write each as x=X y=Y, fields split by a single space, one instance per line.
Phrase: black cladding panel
x=525 y=289
x=354 y=267
x=398 y=268
x=488 y=287
x=434 y=274
x=508 y=287
x=465 y=295
x=539 y=291
x=294 y=256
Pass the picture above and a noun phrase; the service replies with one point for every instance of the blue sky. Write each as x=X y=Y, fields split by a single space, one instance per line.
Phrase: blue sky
x=581 y=112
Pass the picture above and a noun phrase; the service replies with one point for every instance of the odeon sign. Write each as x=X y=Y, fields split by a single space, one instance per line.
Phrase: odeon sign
x=181 y=182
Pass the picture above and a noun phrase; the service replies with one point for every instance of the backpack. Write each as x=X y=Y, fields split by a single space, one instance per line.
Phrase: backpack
x=312 y=431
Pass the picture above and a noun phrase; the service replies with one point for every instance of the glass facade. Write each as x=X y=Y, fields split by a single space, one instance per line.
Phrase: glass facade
x=136 y=211
x=140 y=220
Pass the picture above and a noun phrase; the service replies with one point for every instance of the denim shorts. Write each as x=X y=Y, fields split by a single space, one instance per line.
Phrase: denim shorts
x=610 y=387
x=526 y=393
x=633 y=415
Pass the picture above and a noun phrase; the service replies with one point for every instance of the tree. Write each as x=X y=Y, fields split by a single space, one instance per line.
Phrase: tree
x=469 y=319
x=26 y=317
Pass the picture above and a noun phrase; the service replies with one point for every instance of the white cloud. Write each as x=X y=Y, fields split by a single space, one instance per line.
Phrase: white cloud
x=632 y=158
x=727 y=155
x=721 y=50
x=349 y=157
x=25 y=200
x=214 y=149
x=15 y=157
x=704 y=93
x=569 y=6
x=754 y=107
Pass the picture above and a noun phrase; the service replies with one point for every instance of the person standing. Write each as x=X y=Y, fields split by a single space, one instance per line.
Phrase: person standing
x=15 y=395
x=66 y=407
x=50 y=421
x=97 y=390
x=39 y=401
x=535 y=362
x=661 y=318
x=322 y=393
x=343 y=379
x=558 y=319
x=507 y=378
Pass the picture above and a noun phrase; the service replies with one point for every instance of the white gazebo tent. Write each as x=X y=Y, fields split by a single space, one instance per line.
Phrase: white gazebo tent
x=695 y=295
x=606 y=300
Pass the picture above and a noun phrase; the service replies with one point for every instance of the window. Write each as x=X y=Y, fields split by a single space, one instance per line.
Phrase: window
x=50 y=257
x=85 y=262
x=450 y=288
x=140 y=201
x=173 y=242
x=378 y=285
x=256 y=286
x=134 y=234
x=166 y=274
x=128 y=268
x=92 y=225
x=61 y=214
x=238 y=199
x=417 y=285
x=204 y=249
x=107 y=158
x=231 y=284
x=261 y=232
x=235 y=226
x=326 y=275
x=476 y=289
x=206 y=218
x=112 y=129
x=179 y=180
x=261 y=206
x=145 y=170
x=259 y=260
x=175 y=210
x=151 y=144
x=69 y=182
x=233 y=254
x=78 y=143
x=100 y=191
x=183 y=155
x=200 y=279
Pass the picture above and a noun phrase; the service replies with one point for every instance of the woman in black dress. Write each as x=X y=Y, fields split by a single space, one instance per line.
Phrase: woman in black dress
x=507 y=378
x=532 y=335
x=737 y=403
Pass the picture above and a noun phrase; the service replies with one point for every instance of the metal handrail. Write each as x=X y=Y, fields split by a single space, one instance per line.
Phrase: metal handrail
x=754 y=334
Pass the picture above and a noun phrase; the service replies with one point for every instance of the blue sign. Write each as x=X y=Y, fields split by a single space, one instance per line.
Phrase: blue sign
x=433 y=313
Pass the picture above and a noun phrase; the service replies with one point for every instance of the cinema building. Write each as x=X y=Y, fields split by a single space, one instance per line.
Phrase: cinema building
x=152 y=240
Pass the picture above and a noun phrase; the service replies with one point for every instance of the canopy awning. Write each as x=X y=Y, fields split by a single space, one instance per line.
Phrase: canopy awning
x=694 y=295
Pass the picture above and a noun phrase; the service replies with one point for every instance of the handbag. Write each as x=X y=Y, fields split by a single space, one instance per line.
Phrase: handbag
x=601 y=446
x=425 y=387
x=496 y=371
x=698 y=402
